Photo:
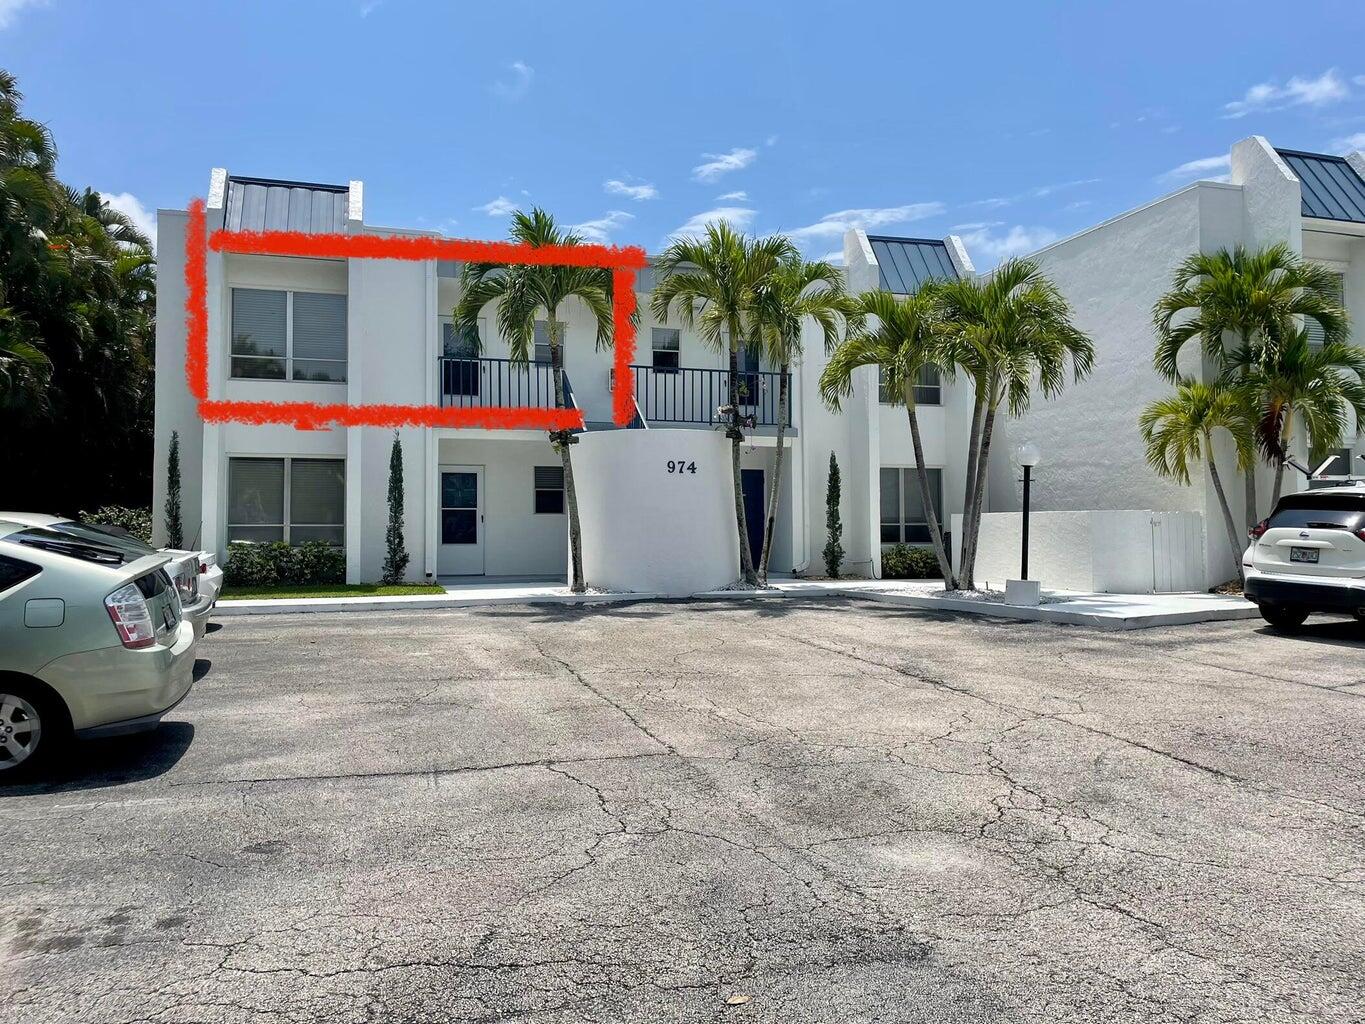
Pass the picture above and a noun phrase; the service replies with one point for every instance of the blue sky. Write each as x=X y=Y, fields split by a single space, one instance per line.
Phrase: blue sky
x=1009 y=123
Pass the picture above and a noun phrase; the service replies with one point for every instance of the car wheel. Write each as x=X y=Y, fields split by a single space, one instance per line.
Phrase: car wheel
x=1283 y=617
x=31 y=728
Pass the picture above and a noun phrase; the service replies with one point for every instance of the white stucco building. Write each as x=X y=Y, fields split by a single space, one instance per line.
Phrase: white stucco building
x=490 y=502
x=1114 y=273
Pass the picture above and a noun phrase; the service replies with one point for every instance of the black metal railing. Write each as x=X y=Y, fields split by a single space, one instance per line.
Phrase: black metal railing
x=476 y=383
x=693 y=395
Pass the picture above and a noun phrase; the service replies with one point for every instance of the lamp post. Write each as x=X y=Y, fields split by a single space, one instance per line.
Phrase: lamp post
x=1029 y=456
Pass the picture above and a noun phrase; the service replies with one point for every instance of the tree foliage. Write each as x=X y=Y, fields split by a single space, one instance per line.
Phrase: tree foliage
x=396 y=556
x=77 y=301
x=834 y=524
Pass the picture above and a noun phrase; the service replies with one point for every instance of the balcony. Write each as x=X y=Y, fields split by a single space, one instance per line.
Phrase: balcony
x=489 y=383
x=692 y=395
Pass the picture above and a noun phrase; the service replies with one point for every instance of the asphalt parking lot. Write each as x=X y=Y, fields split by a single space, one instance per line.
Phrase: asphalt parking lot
x=798 y=811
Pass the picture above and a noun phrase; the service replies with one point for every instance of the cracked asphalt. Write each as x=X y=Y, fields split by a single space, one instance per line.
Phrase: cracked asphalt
x=841 y=811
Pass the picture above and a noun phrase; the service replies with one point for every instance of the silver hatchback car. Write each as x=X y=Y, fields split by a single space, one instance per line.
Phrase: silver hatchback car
x=93 y=642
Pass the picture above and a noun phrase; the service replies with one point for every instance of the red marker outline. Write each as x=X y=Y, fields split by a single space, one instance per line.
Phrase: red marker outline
x=622 y=262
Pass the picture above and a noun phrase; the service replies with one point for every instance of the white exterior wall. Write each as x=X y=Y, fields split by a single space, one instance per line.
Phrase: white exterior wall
x=1345 y=254
x=176 y=408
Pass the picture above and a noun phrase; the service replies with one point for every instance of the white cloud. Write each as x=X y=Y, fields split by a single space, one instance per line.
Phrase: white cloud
x=131 y=207
x=742 y=197
x=1350 y=143
x=1204 y=167
x=723 y=163
x=519 y=84
x=600 y=230
x=1328 y=87
x=982 y=240
x=738 y=217
x=833 y=225
x=836 y=257
x=637 y=192
x=10 y=8
x=368 y=7
x=499 y=207
x=1040 y=192
x=771 y=140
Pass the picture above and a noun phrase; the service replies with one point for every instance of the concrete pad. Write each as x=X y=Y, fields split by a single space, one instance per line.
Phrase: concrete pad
x=467 y=595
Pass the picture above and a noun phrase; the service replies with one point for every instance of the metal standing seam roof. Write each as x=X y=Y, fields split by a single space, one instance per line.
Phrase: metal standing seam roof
x=1331 y=188
x=264 y=204
x=906 y=263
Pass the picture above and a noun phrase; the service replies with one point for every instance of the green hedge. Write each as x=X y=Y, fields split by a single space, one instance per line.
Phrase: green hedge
x=903 y=562
x=273 y=564
x=137 y=521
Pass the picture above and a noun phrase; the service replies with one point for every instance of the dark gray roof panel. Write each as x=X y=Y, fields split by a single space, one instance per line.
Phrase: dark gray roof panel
x=906 y=263
x=262 y=204
x=1331 y=188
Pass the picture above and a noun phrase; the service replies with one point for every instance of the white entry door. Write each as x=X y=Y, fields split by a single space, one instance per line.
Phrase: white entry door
x=460 y=521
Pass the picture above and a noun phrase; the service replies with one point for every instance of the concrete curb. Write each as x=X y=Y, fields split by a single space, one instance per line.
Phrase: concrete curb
x=1212 y=611
x=412 y=602
x=1055 y=614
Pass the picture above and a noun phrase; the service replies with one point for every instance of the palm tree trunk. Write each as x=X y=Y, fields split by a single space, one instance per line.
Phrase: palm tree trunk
x=1279 y=463
x=560 y=439
x=922 y=475
x=768 y=526
x=1233 y=539
x=1249 y=482
x=966 y=577
x=973 y=450
x=746 y=558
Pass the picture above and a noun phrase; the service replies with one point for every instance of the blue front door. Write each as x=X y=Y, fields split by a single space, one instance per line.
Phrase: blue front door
x=751 y=481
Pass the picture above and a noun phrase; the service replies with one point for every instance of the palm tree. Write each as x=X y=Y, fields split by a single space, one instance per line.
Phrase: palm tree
x=907 y=338
x=522 y=292
x=796 y=292
x=1179 y=431
x=1315 y=383
x=1006 y=331
x=712 y=283
x=1257 y=297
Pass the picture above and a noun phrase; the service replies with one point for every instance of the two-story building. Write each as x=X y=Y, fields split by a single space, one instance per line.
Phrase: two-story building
x=480 y=502
x=490 y=503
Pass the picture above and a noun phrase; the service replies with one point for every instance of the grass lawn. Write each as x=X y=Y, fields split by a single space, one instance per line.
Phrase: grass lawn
x=329 y=590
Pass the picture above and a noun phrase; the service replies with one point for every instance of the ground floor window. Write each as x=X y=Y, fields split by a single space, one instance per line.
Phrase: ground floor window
x=287 y=499
x=549 y=488
x=903 y=516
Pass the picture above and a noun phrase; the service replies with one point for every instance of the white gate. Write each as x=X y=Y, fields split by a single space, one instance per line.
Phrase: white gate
x=1178 y=552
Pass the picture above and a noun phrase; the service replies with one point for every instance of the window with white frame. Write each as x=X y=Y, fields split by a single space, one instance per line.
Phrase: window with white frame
x=286 y=499
x=1310 y=326
x=542 y=353
x=928 y=388
x=288 y=335
x=666 y=345
x=549 y=488
x=903 y=516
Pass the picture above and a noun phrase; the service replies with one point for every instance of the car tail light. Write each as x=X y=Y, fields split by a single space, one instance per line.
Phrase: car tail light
x=131 y=616
x=1361 y=533
x=203 y=566
x=1257 y=531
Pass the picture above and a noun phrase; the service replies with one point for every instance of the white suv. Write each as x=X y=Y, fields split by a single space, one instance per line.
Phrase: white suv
x=1309 y=556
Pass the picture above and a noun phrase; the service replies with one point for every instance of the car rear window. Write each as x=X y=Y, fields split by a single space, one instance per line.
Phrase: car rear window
x=14 y=571
x=106 y=552
x=1320 y=511
x=106 y=536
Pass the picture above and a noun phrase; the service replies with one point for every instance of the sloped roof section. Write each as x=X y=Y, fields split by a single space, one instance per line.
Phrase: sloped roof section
x=265 y=204
x=1332 y=190
x=906 y=263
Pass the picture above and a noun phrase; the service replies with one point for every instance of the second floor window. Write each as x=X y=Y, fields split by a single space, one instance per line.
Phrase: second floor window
x=666 y=345
x=928 y=389
x=542 y=353
x=1311 y=327
x=282 y=335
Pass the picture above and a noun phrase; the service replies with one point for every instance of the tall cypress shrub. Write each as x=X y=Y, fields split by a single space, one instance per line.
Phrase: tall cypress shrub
x=175 y=530
x=834 y=526
x=396 y=560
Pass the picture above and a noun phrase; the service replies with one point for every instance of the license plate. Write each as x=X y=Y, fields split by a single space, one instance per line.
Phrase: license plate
x=1303 y=554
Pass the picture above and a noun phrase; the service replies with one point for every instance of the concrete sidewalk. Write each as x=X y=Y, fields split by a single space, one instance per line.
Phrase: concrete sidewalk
x=1098 y=611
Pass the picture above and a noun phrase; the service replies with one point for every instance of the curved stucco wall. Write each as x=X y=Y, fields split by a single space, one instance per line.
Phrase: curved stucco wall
x=648 y=529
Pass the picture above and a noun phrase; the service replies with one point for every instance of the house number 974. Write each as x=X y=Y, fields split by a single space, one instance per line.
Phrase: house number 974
x=681 y=466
